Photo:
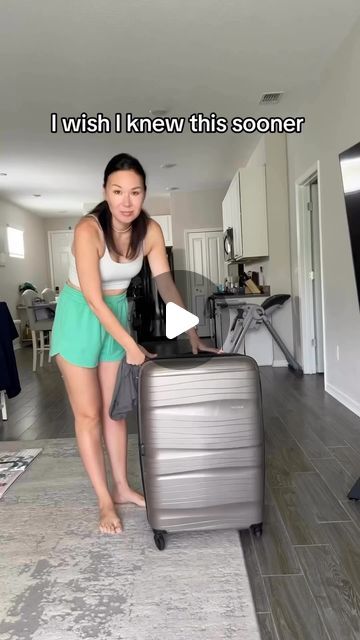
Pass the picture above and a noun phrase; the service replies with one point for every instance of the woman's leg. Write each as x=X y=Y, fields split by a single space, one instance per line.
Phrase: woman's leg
x=84 y=393
x=115 y=436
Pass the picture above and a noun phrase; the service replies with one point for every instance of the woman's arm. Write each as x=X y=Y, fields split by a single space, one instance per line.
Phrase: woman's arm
x=159 y=266
x=160 y=270
x=87 y=249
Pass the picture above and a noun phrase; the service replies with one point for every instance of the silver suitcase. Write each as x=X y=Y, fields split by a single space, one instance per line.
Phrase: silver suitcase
x=201 y=443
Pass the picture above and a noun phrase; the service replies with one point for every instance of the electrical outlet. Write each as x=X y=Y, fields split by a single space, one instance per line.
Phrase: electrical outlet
x=337 y=352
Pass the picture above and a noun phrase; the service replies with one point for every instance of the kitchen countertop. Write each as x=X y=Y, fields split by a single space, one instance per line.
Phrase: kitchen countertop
x=220 y=296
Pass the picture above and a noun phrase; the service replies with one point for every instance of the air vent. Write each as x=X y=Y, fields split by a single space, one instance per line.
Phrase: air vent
x=271 y=98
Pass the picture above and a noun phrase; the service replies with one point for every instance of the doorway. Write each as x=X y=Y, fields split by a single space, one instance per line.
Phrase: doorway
x=309 y=247
x=59 y=253
x=205 y=268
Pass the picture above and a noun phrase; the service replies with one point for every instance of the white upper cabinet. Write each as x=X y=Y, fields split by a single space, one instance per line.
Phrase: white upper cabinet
x=244 y=209
x=231 y=213
x=253 y=212
x=235 y=200
x=166 y=226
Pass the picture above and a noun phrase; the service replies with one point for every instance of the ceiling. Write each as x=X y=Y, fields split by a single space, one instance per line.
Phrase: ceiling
x=130 y=56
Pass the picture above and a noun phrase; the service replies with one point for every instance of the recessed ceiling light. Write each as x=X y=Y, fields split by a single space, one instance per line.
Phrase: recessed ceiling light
x=37 y=195
x=158 y=112
x=168 y=165
x=3 y=174
x=172 y=188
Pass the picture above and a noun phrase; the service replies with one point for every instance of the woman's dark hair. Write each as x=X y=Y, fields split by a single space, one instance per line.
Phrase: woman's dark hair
x=122 y=162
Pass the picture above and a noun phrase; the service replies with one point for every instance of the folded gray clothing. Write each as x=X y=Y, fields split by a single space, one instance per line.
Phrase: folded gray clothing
x=125 y=392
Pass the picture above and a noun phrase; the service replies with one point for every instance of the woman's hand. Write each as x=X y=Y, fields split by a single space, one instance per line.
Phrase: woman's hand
x=135 y=355
x=198 y=345
x=148 y=354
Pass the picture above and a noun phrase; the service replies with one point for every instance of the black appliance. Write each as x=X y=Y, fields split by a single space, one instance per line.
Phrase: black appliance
x=148 y=318
x=229 y=244
x=350 y=171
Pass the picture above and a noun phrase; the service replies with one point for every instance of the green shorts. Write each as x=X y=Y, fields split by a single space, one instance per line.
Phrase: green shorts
x=78 y=335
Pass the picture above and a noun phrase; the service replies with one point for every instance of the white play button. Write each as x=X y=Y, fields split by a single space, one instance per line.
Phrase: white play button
x=178 y=320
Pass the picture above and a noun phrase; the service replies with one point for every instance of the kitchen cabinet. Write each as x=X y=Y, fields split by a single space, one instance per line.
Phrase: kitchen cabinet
x=166 y=226
x=225 y=212
x=258 y=342
x=244 y=209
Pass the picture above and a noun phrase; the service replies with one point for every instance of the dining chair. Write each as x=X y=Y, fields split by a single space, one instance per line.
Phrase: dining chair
x=48 y=294
x=37 y=328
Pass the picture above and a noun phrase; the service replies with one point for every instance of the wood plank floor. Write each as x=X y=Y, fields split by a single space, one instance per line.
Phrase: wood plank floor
x=305 y=570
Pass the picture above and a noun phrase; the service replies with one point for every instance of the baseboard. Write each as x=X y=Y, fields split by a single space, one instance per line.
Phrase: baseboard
x=350 y=403
x=280 y=363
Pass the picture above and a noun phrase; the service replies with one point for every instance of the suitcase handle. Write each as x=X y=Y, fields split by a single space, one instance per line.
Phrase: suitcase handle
x=190 y=354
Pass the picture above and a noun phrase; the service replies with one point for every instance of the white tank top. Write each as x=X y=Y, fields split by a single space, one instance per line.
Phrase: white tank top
x=114 y=275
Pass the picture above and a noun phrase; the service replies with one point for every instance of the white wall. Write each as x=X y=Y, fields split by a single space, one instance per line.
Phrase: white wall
x=332 y=125
x=258 y=156
x=34 y=267
x=157 y=205
x=59 y=224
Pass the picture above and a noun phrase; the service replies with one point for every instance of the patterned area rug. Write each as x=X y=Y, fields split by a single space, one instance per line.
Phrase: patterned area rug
x=13 y=464
x=66 y=581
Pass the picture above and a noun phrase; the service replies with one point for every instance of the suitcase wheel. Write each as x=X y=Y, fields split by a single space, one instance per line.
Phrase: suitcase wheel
x=159 y=540
x=257 y=530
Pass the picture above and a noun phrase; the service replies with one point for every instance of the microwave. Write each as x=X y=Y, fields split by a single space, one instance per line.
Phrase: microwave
x=229 y=244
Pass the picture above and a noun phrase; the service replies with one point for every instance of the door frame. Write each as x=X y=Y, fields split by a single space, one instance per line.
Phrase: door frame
x=306 y=299
x=50 y=233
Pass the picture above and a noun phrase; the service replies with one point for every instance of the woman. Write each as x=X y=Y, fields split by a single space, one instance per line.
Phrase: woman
x=90 y=336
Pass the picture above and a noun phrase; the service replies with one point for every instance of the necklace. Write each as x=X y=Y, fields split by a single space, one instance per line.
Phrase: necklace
x=121 y=230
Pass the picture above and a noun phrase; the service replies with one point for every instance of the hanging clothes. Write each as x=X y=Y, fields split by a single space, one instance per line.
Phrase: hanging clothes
x=125 y=392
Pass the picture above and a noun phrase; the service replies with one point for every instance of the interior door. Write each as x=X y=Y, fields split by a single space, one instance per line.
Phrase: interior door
x=215 y=257
x=60 y=247
x=206 y=268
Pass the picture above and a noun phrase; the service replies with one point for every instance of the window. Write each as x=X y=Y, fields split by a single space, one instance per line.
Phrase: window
x=15 y=238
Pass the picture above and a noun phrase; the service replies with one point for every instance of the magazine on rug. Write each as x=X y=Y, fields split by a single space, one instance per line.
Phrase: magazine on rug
x=13 y=464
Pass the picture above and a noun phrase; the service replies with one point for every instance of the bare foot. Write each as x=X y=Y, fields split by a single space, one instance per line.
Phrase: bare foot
x=124 y=494
x=109 y=520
